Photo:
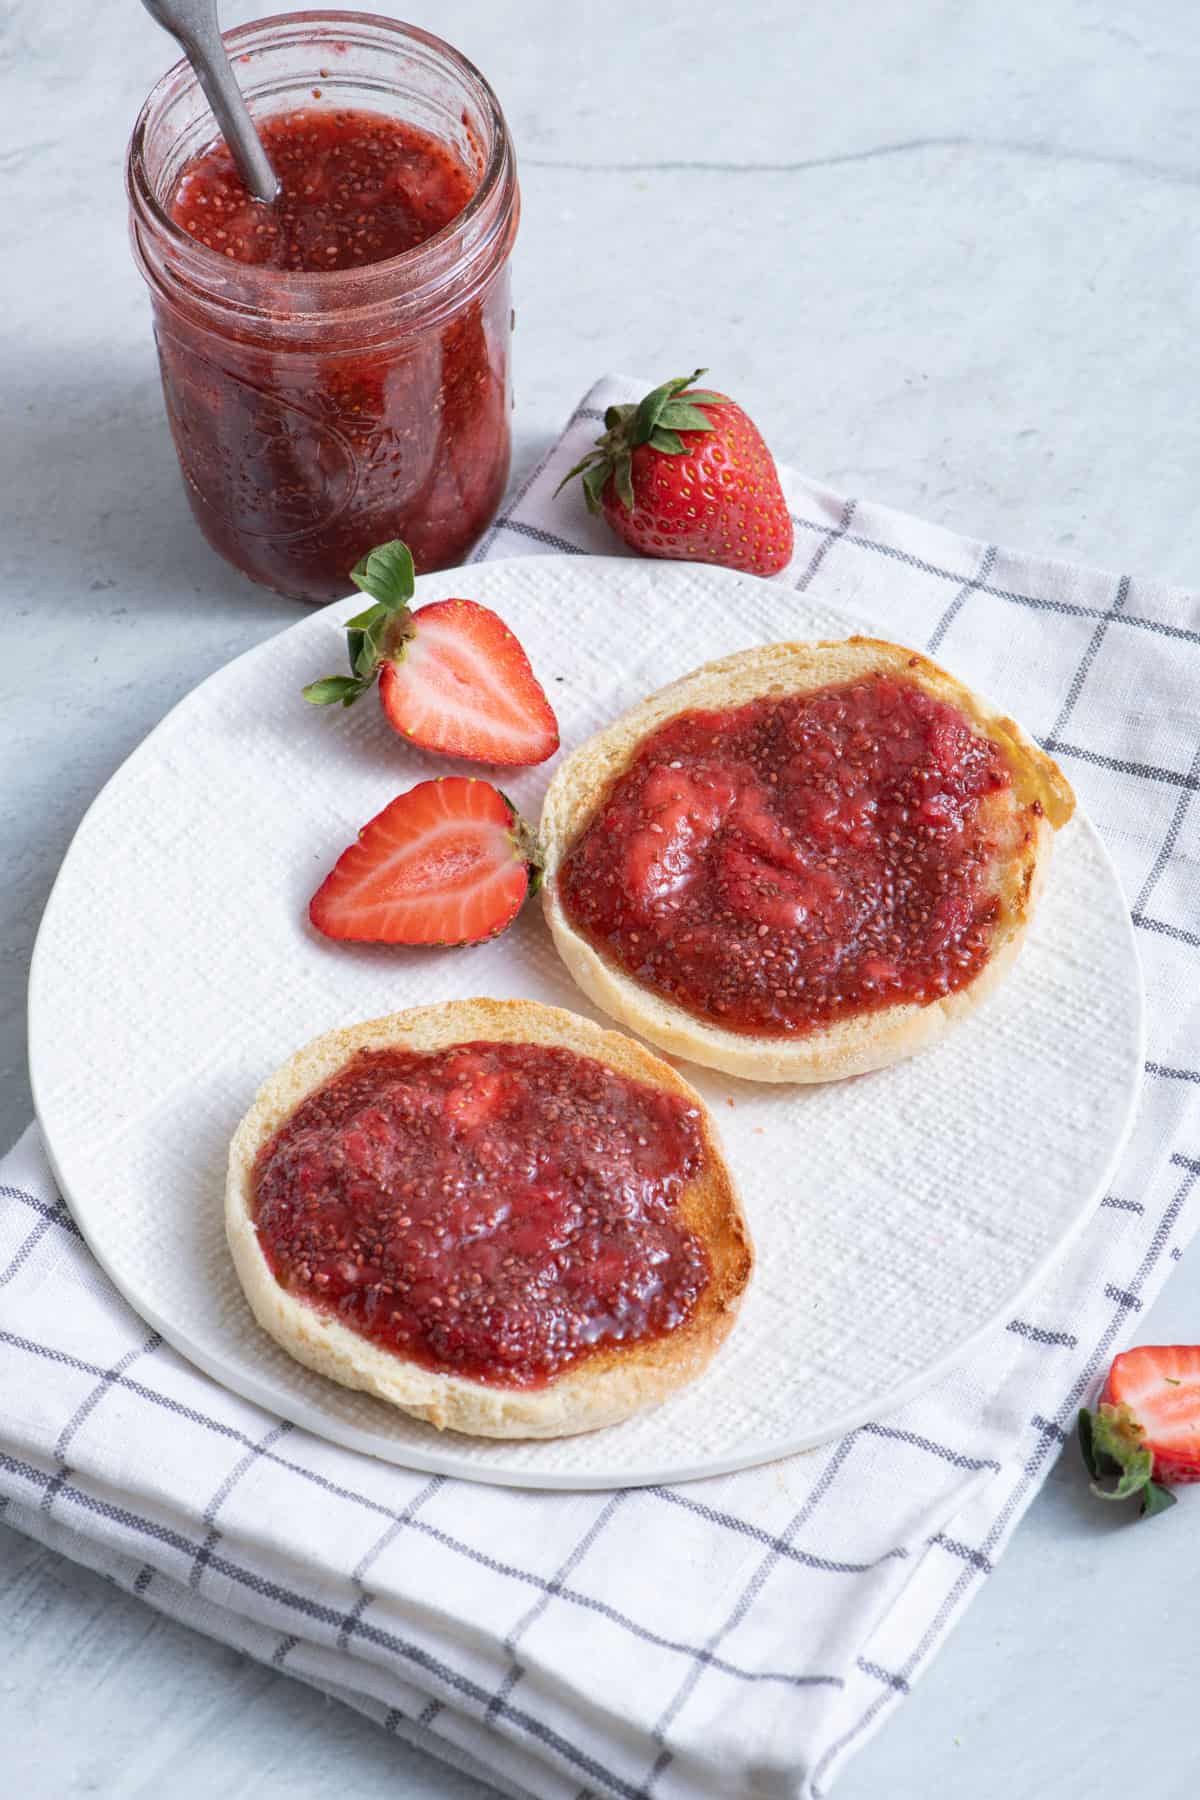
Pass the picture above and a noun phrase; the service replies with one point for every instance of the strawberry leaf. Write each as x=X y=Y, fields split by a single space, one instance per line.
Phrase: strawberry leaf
x=374 y=643
x=361 y=620
x=623 y=480
x=651 y=408
x=1155 y=1499
x=681 y=415
x=594 y=480
x=334 y=688
x=386 y=573
x=593 y=459
x=669 y=442
x=363 y=638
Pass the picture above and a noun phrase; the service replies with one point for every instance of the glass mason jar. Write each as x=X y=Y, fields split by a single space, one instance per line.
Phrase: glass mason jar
x=318 y=414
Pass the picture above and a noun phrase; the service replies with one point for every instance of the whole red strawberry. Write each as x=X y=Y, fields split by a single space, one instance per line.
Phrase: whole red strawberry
x=686 y=474
x=1145 y=1433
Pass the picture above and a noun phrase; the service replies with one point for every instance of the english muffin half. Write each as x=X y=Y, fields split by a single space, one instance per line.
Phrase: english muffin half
x=495 y=1215
x=800 y=862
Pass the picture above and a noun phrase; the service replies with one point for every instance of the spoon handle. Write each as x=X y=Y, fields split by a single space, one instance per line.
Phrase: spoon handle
x=193 y=25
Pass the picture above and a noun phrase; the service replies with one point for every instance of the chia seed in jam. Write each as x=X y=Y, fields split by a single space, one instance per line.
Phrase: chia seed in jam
x=495 y=1210
x=797 y=860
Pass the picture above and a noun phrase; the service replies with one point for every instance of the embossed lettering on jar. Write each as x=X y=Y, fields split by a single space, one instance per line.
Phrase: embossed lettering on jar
x=335 y=367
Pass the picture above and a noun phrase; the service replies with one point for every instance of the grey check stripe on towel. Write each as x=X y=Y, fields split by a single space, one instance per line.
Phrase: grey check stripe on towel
x=732 y=1637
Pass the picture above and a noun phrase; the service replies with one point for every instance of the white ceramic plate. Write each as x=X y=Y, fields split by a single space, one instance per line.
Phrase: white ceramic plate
x=896 y=1216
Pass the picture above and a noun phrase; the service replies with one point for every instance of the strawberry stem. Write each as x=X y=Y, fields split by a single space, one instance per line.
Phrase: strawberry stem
x=387 y=574
x=380 y=631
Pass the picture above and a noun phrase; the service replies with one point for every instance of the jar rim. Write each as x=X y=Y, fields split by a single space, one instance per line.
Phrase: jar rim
x=320 y=284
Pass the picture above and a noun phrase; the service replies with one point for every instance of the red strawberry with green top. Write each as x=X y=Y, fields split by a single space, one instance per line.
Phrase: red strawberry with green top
x=450 y=862
x=452 y=677
x=1146 y=1431
x=686 y=474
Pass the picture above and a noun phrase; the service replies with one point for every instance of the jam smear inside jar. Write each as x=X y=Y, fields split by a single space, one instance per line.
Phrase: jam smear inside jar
x=799 y=859
x=495 y=1210
x=335 y=364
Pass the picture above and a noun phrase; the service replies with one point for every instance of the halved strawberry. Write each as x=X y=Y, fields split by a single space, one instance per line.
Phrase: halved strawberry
x=1146 y=1430
x=452 y=677
x=449 y=862
x=462 y=683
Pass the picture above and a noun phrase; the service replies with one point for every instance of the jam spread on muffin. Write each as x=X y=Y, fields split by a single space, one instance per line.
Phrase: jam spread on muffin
x=797 y=860
x=493 y=1210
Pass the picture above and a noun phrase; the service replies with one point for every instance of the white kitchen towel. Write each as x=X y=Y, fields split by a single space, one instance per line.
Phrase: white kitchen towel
x=728 y=1638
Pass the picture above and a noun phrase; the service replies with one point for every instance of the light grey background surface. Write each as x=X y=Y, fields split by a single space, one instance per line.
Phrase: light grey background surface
x=947 y=254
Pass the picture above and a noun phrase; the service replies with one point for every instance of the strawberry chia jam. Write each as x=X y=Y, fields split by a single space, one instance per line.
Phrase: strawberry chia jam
x=355 y=188
x=796 y=860
x=335 y=364
x=493 y=1210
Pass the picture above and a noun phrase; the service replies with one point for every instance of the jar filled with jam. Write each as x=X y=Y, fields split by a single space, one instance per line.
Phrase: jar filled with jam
x=335 y=365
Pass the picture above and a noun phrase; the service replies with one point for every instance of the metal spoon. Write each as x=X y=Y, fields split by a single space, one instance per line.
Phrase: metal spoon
x=193 y=25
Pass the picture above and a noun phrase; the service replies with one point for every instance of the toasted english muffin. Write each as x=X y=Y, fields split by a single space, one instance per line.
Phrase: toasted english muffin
x=1023 y=820
x=603 y=1385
